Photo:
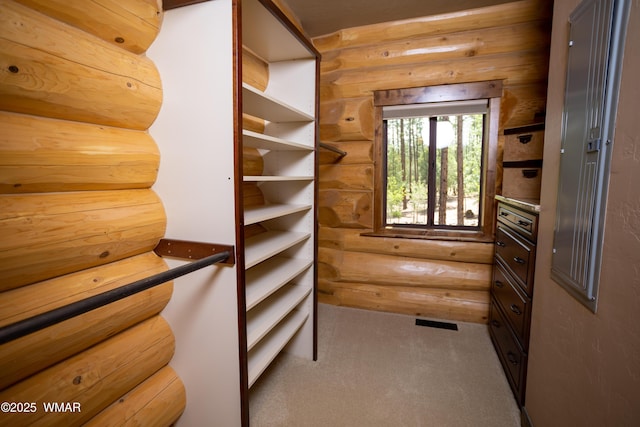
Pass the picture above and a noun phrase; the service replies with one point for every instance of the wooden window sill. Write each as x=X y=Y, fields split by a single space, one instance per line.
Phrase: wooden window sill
x=455 y=235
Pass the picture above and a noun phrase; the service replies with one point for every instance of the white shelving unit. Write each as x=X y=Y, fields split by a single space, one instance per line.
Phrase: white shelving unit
x=196 y=183
x=269 y=276
x=280 y=265
x=263 y=178
x=268 y=297
x=253 y=215
x=269 y=244
x=263 y=318
x=266 y=142
x=261 y=104
x=267 y=349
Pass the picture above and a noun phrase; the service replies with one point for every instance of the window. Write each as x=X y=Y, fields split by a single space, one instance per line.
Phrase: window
x=434 y=164
x=436 y=147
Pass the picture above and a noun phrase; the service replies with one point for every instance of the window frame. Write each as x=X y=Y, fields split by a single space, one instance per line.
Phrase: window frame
x=489 y=90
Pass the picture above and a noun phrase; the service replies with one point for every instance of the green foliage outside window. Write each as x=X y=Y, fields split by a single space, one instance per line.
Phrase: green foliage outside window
x=408 y=171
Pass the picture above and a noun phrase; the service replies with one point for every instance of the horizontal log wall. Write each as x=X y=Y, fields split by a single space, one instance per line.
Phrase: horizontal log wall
x=44 y=155
x=77 y=213
x=50 y=234
x=34 y=352
x=442 y=279
x=96 y=377
x=54 y=70
x=157 y=401
x=130 y=25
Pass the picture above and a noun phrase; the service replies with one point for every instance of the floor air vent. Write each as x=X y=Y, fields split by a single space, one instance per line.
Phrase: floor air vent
x=434 y=324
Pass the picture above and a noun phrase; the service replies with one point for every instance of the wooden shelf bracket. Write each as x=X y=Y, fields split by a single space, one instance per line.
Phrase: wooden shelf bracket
x=190 y=250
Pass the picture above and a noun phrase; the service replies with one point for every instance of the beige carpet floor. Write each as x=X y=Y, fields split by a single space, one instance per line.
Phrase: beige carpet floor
x=380 y=369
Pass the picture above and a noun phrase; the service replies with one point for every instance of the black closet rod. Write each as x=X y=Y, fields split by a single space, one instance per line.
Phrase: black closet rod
x=43 y=320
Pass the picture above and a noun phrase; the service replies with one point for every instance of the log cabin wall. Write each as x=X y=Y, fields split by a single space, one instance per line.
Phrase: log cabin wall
x=430 y=278
x=77 y=215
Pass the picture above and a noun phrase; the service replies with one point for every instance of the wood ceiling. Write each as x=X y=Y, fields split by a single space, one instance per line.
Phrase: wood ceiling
x=320 y=17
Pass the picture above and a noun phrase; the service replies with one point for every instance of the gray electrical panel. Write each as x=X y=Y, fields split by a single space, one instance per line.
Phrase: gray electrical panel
x=592 y=82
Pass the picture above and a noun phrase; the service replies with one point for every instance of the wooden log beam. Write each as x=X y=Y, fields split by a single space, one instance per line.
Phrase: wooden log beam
x=94 y=378
x=456 y=305
x=252 y=123
x=252 y=162
x=47 y=235
x=32 y=353
x=158 y=401
x=255 y=71
x=487 y=17
x=253 y=230
x=333 y=238
x=346 y=266
x=46 y=155
x=349 y=119
x=28 y=301
x=513 y=68
x=501 y=39
x=345 y=209
x=346 y=177
x=445 y=250
x=132 y=25
x=54 y=70
x=252 y=195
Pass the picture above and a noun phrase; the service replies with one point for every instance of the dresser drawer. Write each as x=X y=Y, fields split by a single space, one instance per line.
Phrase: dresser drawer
x=514 y=303
x=512 y=357
x=523 y=144
x=524 y=223
x=517 y=255
x=521 y=183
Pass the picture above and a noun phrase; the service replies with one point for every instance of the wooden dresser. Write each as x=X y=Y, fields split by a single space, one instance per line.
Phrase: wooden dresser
x=512 y=289
x=514 y=261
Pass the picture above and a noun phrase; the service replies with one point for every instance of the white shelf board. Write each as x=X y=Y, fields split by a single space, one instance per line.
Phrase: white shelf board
x=256 y=214
x=268 y=142
x=270 y=312
x=265 y=35
x=272 y=178
x=264 y=106
x=267 y=277
x=268 y=348
x=265 y=245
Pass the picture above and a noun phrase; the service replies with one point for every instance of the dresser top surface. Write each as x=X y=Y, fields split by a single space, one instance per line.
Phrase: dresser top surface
x=530 y=205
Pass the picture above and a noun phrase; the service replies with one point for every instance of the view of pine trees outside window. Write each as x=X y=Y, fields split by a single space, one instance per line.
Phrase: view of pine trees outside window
x=434 y=170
